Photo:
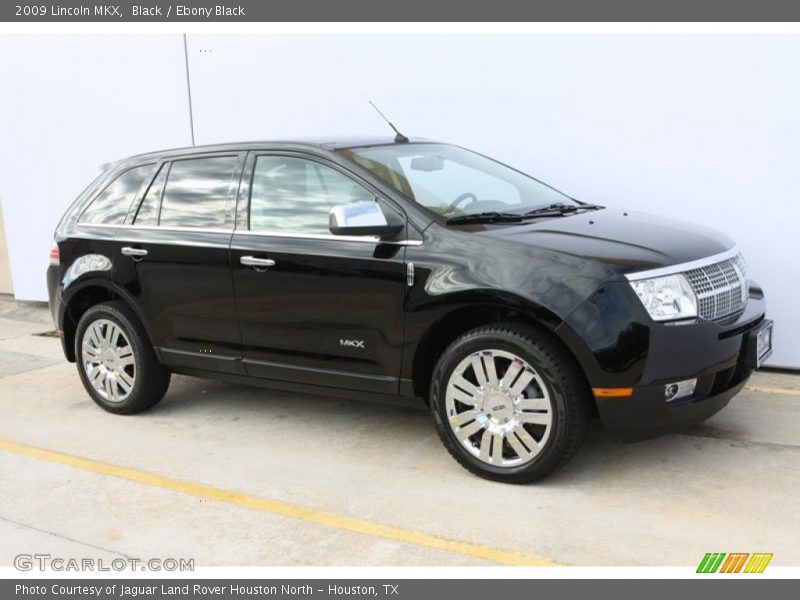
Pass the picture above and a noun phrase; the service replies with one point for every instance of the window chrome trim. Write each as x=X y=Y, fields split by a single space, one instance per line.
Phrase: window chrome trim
x=683 y=267
x=363 y=239
x=159 y=228
x=305 y=236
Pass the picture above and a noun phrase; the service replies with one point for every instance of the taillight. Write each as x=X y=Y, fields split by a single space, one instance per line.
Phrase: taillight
x=55 y=259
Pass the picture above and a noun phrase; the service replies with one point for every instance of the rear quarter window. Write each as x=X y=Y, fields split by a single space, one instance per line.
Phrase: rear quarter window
x=111 y=205
x=147 y=214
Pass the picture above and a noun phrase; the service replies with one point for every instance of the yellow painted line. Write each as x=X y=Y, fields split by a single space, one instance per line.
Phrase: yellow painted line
x=276 y=507
x=772 y=390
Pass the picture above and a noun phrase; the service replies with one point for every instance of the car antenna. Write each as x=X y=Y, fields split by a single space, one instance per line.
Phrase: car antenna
x=399 y=138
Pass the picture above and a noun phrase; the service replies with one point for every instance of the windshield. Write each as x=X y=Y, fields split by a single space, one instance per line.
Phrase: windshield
x=452 y=181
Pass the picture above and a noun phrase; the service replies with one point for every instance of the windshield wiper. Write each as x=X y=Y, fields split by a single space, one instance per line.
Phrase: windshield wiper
x=485 y=217
x=558 y=210
x=552 y=210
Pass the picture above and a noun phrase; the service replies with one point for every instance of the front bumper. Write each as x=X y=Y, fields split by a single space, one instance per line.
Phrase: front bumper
x=645 y=414
x=620 y=347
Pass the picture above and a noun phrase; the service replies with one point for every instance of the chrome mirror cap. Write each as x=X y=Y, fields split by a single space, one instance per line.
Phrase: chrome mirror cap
x=360 y=218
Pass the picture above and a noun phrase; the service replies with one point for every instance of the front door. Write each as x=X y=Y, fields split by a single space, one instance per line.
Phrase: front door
x=174 y=260
x=314 y=308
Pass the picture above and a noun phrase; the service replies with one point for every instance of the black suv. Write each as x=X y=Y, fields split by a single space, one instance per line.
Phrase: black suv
x=403 y=268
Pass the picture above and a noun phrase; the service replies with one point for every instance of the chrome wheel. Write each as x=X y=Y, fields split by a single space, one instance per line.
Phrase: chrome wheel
x=499 y=408
x=107 y=357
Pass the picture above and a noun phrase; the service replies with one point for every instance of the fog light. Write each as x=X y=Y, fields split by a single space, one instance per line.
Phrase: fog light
x=679 y=389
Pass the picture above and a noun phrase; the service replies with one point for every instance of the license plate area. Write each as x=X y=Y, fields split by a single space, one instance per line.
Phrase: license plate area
x=759 y=346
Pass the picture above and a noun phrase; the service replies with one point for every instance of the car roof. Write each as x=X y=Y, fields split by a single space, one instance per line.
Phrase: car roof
x=320 y=143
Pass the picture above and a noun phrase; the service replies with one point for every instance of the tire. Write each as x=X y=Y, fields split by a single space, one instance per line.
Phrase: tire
x=113 y=350
x=529 y=382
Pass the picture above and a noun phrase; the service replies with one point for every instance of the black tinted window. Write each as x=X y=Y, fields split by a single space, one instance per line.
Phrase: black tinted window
x=294 y=195
x=197 y=192
x=112 y=204
x=148 y=210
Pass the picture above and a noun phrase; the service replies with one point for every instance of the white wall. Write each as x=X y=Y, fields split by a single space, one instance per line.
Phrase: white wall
x=702 y=127
x=68 y=104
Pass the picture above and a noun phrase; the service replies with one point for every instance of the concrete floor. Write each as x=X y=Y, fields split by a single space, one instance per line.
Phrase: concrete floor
x=729 y=485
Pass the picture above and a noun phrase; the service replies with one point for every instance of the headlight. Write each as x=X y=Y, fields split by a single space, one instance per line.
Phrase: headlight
x=667 y=298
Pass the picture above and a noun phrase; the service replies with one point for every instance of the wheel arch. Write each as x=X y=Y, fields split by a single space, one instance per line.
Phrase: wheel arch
x=80 y=297
x=442 y=332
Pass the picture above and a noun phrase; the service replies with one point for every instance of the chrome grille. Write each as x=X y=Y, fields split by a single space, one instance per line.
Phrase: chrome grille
x=721 y=288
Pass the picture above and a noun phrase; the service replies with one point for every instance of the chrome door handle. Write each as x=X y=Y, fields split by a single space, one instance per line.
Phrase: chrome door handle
x=252 y=261
x=137 y=252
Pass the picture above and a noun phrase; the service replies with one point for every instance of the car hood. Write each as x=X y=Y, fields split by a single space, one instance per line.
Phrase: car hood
x=624 y=240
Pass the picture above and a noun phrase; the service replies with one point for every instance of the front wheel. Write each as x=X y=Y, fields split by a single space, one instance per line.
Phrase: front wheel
x=509 y=403
x=116 y=362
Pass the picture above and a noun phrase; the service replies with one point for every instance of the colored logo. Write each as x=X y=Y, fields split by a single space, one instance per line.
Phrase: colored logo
x=735 y=562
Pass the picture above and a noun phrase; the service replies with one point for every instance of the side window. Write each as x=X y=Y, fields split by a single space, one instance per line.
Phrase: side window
x=295 y=195
x=148 y=209
x=111 y=206
x=197 y=192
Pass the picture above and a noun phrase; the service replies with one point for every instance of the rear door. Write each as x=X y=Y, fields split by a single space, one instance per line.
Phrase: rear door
x=329 y=309
x=173 y=258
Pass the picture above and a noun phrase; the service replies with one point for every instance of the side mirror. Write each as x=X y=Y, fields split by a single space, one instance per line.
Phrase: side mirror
x=361 y=218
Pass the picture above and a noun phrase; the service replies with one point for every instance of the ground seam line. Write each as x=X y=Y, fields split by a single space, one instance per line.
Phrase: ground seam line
x=61 y=536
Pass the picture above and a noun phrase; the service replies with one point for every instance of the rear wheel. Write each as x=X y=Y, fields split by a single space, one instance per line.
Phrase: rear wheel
x=115 y=361
x=509 y=403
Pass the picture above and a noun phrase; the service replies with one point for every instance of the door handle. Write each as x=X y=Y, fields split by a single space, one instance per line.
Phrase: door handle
x=252 y=261
x=135 y=252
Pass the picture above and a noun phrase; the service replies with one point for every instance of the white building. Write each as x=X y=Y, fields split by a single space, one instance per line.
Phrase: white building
x=700 y=127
